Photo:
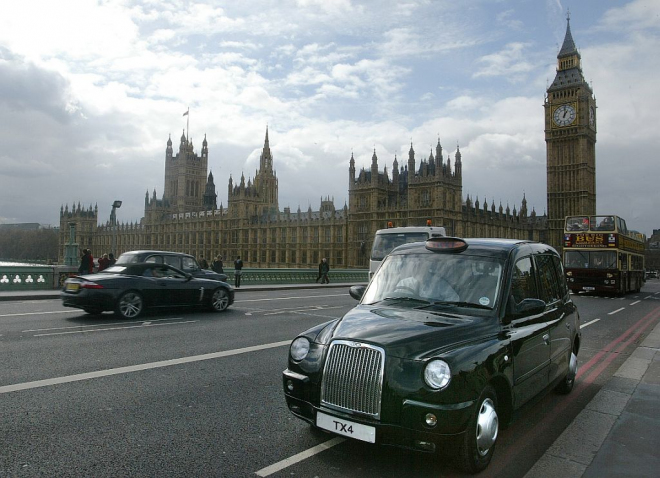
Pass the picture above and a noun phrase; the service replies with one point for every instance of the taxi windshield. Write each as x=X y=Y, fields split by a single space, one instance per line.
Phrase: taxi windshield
x=437 y=281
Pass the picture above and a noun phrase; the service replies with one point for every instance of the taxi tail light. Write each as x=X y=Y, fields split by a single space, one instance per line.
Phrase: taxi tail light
x=90 y=285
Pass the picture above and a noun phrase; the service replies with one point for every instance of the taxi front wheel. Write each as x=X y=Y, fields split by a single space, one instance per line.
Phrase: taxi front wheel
x=478 y=444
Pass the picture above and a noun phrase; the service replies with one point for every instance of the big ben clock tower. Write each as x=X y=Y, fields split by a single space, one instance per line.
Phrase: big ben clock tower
x=570 y=137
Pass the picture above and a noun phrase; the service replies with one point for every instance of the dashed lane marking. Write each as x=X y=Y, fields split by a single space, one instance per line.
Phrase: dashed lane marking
x=137 y=368
x=589 y=323
x=303 y=455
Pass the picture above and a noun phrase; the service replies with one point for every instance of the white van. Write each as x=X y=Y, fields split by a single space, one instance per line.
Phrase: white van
x=388 y=239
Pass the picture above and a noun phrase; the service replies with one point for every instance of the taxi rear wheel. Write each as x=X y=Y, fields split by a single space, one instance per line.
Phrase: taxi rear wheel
x=478 y=444
x=566 y=385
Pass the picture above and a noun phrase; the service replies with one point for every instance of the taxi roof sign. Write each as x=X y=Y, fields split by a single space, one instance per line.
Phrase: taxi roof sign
x=446 y=244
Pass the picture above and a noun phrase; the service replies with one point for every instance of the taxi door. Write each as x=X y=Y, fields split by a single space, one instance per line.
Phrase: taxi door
x=529 y=334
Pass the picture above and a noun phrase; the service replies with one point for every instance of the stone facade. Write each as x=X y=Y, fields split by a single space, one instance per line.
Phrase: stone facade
x=187 y=219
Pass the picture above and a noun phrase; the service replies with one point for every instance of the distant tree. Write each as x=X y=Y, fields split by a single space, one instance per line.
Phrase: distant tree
x=38 y=245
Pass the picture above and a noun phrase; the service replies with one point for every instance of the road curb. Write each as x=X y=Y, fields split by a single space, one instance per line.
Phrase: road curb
x=576 y=448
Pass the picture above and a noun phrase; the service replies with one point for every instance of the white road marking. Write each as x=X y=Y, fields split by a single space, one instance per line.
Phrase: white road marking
x=616 y=311
x=136 y=368
x=636 y=302
x=146 y=324
x=290 y=298
x=42 y=313
x=280 y=465
x=99 y=325
x=589 y=323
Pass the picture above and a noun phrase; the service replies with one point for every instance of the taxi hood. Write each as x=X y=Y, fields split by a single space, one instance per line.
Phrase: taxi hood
x=409 y=333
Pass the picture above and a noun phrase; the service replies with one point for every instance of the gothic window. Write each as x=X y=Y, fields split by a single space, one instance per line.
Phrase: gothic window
x=426 y=197
x=273 y=257
x=293 y=257
x=340 y=234
x=283 y=235
x=316 y=235
x=283 y=257
x=339 y=258
x=328 y=234
x=363 y=232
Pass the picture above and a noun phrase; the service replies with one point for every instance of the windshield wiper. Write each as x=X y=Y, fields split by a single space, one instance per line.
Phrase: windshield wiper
x=408 y=299
x=445 y=303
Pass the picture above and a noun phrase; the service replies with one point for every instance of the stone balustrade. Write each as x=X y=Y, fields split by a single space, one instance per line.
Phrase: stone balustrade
x=15 y=277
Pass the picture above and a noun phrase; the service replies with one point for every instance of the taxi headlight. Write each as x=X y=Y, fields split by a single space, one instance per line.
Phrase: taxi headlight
x=437 y=374
x=299 y=349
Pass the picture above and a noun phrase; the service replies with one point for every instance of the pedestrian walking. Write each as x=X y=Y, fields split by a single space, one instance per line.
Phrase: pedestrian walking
x=203 y=263
x=112 y=260
x=324 y=268
x=238 y=271
x=84 y=262
x=104 y=262
x=90 y=266
x=217 y=265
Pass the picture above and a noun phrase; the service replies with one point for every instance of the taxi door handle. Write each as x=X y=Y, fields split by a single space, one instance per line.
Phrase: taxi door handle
x=546 y=339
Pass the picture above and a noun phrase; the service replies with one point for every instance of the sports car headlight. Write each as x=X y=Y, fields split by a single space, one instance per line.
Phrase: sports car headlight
x=437 y=374
x=299 y=348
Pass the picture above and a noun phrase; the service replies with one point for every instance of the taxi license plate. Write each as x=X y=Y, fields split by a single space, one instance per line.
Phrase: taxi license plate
x=588 y=288
x=72 y=287
x=346 y=427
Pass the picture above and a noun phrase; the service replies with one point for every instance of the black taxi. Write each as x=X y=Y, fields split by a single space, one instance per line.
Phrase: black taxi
x=450 y=337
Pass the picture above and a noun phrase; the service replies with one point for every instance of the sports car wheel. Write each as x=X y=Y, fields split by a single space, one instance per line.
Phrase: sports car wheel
x=478 y=444
x=219 y=300
x=130 y=305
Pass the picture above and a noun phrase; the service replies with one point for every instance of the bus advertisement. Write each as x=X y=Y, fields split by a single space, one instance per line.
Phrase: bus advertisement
x=602 y=255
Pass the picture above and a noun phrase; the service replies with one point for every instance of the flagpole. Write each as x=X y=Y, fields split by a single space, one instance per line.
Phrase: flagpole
x=188 y=124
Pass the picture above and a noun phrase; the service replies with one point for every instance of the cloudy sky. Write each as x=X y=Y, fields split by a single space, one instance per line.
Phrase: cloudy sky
x=91 y=90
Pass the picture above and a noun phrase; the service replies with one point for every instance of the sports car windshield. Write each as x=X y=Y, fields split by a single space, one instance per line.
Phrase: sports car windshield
x=437 y=281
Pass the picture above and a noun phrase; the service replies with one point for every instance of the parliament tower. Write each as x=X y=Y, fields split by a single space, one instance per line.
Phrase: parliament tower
x=570 y=136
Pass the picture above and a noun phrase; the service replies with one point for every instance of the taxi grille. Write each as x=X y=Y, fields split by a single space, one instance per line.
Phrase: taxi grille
x=353 y=378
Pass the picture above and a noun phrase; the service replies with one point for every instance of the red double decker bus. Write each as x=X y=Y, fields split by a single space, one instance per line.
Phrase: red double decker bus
x=602 y=255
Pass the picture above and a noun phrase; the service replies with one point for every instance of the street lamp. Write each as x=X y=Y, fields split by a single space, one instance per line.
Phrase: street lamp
x=113 y=222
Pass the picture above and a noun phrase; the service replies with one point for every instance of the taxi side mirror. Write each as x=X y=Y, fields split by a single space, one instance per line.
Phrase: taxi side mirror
x=525 y=308
x=357 y=291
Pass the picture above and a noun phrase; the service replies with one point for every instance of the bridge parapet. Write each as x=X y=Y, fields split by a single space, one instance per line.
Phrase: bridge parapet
x=15 y=277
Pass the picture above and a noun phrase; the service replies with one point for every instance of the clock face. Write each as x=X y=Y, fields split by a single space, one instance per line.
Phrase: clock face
x=592 y=116
x=564 y=115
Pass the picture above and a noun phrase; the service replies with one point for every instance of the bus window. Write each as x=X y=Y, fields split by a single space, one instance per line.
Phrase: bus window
x=576 y=259
x=578 y=223
x=602 y=223
x=603 y=260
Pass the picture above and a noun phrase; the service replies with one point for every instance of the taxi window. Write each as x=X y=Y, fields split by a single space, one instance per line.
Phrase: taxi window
x=561 y=277
x=523 y=284
x=174 y=261
x=189 y=264
x=155 y=259
x=549 y=287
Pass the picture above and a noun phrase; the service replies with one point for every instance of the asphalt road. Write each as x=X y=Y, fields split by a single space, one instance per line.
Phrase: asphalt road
x=199 y=394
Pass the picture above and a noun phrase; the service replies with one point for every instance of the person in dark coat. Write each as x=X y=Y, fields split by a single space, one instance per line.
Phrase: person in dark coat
x=112 y=259
x=84 y=262
x=324 y=268
x=218 y=266
x=203 y=263
x=238 y=271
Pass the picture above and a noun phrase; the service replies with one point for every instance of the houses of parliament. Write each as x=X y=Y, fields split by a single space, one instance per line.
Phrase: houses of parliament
x=186 y=218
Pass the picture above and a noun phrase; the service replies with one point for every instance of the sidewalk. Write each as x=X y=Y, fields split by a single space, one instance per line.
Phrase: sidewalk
x=617 y=434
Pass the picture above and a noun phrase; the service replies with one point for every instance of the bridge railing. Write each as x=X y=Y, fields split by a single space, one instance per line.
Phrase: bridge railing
x=14 y=277
x=296 y=276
